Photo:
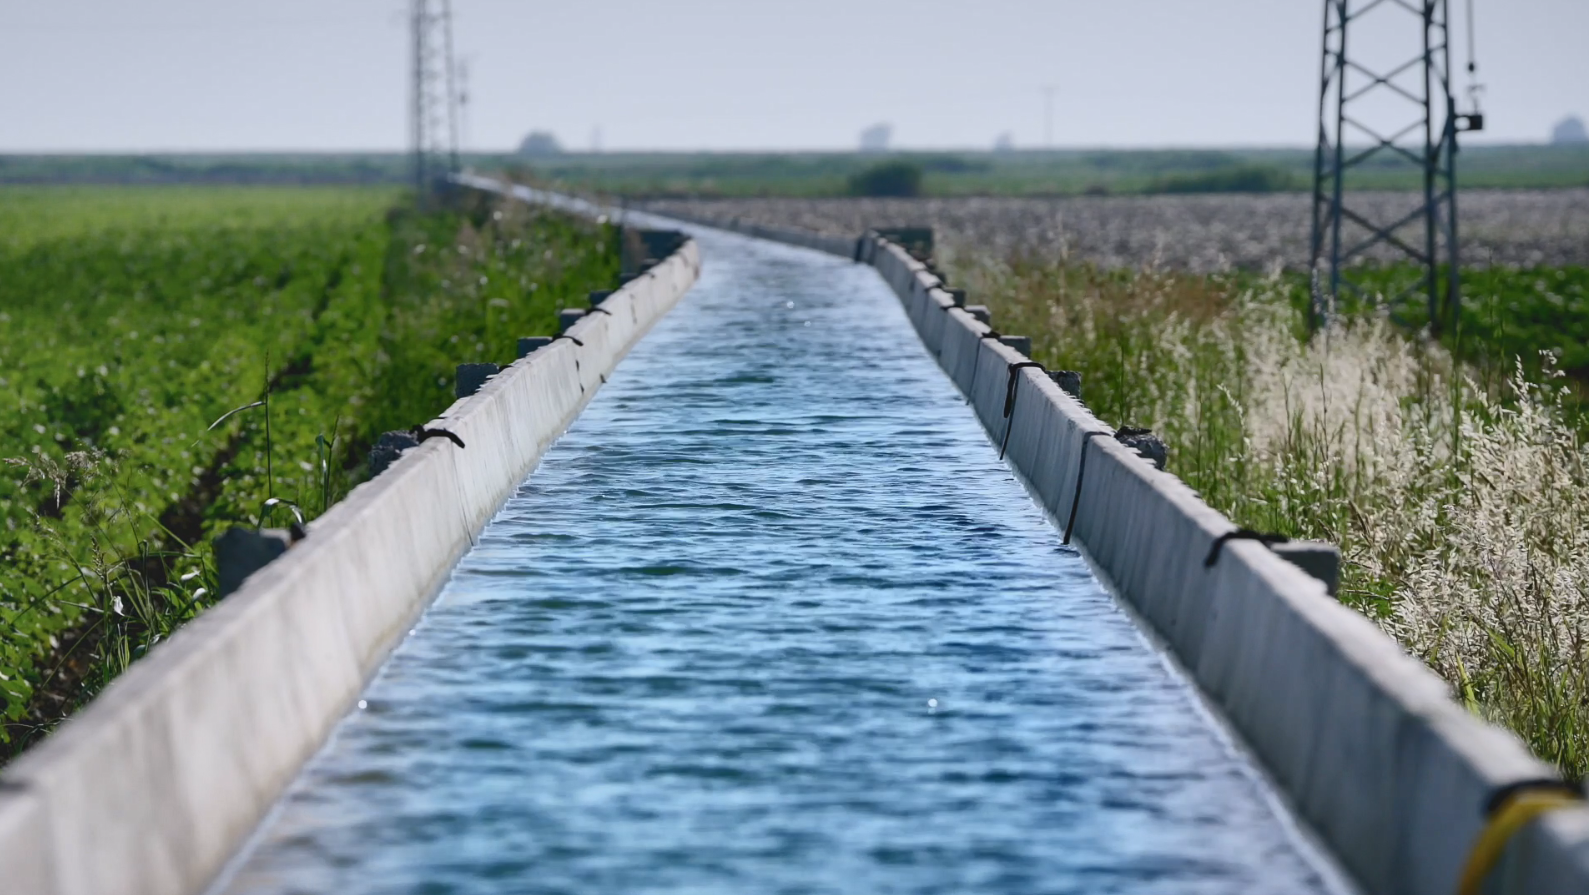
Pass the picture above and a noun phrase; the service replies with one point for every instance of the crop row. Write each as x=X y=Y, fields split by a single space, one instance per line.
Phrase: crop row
x=132 y=321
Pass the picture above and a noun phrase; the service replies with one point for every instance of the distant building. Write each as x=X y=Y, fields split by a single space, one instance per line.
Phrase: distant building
x=540 y=143
x=875 y=138
x=1569 y=131
x=1005 y=142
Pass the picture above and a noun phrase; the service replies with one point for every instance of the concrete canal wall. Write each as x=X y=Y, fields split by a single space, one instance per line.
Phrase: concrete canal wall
x=1365 y=740
x=153 y=787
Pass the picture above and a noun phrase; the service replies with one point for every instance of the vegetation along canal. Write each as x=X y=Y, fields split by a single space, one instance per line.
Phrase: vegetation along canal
x=773 y=617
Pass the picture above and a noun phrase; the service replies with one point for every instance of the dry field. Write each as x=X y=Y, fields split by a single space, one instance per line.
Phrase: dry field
x=1199 y=234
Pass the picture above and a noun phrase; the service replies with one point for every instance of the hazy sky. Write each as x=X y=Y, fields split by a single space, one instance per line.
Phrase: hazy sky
x=105 y=75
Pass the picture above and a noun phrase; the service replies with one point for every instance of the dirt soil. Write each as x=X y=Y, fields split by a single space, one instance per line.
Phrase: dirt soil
x=1193 y=233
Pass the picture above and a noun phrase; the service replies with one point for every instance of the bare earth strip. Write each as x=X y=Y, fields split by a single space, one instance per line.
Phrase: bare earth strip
x=1193 y=233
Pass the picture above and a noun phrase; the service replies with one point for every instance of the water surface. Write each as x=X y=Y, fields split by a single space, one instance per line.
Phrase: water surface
x=773 y=618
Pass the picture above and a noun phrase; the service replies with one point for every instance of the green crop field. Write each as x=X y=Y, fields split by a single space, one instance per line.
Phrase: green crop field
x=132 y=319
x=1533 y=320
x=1512 y=314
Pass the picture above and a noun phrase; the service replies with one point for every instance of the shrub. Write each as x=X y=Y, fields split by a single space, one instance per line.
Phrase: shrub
x=894 y=178
x=1240 y=179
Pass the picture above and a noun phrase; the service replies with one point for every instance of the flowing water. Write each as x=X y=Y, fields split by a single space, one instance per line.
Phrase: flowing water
x=772 y=617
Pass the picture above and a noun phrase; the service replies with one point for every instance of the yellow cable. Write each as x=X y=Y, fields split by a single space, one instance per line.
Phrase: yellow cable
x=1510 y=817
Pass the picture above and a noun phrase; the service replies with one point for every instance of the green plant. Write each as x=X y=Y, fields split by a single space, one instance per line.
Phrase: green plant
x=1237 y=179
x=890 y=178
x=1460 y=502
x=132 y=324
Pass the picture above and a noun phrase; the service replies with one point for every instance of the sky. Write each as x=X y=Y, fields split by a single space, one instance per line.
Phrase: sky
x=230 y=75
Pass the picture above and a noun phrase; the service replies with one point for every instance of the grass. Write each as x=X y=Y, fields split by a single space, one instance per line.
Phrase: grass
x=1509 y=313
x=1457 y=488
x=132 y=319
x=1536 y=317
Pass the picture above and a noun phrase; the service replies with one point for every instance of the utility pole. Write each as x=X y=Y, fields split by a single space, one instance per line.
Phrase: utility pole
x=1377 y=117
x=434 y=98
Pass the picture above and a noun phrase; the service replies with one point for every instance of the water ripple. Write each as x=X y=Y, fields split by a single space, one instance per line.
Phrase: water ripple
x=773 y=618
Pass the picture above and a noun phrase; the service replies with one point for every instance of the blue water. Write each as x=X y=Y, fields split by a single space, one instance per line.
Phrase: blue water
x=772 y=617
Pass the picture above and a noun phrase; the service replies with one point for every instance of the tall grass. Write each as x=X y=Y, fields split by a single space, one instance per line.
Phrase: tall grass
x=1461 y=506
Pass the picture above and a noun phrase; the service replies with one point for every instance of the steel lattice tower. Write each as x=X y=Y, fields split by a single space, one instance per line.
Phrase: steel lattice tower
x=1379 y=111
x=433 y=114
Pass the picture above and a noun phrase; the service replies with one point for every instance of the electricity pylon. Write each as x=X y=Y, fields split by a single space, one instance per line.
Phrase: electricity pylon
x=1379 y=111
x=433 y=114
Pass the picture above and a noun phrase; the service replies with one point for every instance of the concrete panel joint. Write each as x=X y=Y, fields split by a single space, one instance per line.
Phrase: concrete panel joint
x=470 y=377
x=1021 y=344
x=240 y=552
x=567 y=317
x=388 y=448
x=529 y=344
x=1320 y=559
x=1147 y=445
x=1069 y=381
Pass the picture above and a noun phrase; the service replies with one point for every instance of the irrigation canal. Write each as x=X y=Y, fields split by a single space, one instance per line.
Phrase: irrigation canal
x=773 y=617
